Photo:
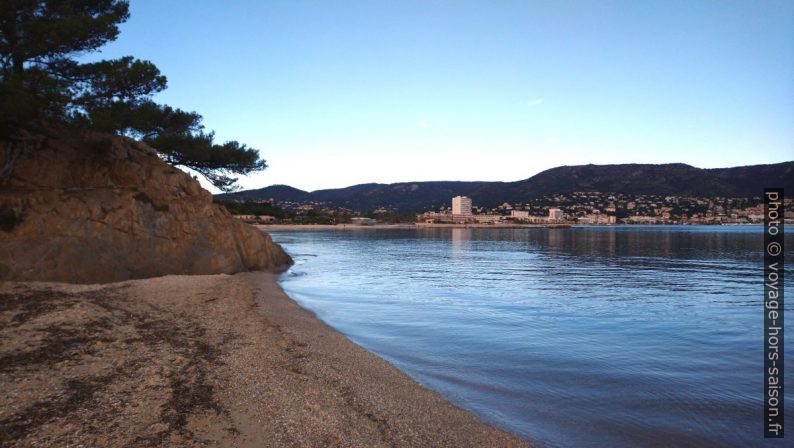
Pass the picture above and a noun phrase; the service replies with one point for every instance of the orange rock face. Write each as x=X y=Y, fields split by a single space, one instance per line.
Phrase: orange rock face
x=103 y=209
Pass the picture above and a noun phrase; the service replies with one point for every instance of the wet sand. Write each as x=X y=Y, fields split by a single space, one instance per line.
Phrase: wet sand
x=203 y=360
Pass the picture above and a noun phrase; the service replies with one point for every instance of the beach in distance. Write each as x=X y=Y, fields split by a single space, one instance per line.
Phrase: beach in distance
x=277 y=227
x=312 y=227
x=298 y=227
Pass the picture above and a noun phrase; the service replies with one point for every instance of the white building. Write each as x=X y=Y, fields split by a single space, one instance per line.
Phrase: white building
x=555 y=214
x=519 y=214
x=461 y=205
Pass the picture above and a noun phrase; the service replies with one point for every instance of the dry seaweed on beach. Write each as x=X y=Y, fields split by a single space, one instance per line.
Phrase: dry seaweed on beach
x=202 y=360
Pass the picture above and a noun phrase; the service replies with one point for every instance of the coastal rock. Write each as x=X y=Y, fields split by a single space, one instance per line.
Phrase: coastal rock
x=102 y=208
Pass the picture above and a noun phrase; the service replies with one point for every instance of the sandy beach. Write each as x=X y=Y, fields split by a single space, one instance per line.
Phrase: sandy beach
x=315 y=227
x=218 y=360
x=277 y=227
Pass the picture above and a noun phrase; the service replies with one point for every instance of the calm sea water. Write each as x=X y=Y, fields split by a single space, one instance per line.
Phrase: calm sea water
x=589 y=336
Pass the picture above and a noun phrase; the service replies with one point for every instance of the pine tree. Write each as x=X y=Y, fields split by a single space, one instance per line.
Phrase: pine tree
x=42 y=84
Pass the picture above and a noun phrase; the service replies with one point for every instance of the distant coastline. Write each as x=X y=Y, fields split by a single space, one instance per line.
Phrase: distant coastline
x=633 y=181
x=609 y=194
x=277 y=227
x=309 y=227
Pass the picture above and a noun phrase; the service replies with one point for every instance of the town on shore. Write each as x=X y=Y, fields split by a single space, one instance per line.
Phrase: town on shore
x=556 y=209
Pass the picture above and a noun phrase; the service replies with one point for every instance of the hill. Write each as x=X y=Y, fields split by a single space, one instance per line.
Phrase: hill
x=276 y=192
x=99 y=208
x=674 y=179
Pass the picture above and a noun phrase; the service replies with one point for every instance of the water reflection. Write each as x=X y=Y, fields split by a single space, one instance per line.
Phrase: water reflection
x=461 y=241
x=593 y=336
x=660 y=241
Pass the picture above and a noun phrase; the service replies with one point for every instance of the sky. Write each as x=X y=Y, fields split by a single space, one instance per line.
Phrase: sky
x=337 y=93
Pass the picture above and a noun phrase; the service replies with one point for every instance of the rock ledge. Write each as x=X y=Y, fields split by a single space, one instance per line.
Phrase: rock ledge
x=101 y=208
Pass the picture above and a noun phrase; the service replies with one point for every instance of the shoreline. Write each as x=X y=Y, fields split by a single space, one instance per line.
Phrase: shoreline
x=280 y=227
x=225 y=360
x=277 y=227
x=311 y=227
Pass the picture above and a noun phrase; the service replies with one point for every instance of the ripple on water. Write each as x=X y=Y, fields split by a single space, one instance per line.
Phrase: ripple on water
x=601 y=336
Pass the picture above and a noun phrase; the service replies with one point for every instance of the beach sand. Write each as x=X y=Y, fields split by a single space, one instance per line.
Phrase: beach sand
x=315 y=227
x=293 y=227
x=220 y=360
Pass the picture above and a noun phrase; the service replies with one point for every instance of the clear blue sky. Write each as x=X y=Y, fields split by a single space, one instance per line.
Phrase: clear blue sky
x=336 y=93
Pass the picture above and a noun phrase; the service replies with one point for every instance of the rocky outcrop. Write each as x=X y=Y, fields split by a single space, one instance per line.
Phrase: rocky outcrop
x=101 y=208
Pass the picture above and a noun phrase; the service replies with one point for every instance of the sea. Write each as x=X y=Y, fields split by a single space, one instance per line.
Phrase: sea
x=600 y=336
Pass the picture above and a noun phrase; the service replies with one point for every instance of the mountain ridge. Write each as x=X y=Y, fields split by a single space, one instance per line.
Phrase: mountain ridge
x=672 y=179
